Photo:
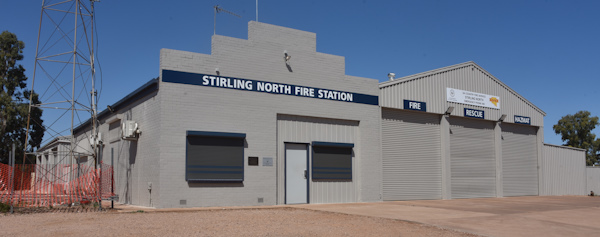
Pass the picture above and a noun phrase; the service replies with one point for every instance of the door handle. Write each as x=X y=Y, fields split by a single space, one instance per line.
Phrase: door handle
x=305 y=174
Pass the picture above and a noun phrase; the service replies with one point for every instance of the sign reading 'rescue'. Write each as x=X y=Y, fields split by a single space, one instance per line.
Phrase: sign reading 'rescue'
x=522 y=120
x=266 y=87
x=415 y=105
x=474 y=113
x=472 y=98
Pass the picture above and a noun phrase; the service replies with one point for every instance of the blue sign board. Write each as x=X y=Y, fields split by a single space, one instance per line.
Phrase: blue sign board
x=415 y=105
x=522 y=120
x=266 y=87
x=474 y=113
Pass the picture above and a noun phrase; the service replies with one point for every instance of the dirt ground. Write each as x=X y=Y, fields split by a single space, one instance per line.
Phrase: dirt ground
x=508 y=216
x=228 y=222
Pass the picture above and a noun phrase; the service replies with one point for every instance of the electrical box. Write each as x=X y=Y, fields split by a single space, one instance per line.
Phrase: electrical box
x=97 y=141
x=130 y=130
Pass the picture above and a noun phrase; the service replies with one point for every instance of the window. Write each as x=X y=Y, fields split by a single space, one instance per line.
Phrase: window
x=214 y=157
x=82 y=159
x=332 y=161
x=55 y=158
x=114 y=131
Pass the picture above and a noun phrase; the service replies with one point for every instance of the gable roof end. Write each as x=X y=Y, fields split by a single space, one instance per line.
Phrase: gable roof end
x=418 y=76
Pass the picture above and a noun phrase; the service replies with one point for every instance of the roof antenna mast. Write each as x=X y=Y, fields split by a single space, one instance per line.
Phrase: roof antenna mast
x=217 y=10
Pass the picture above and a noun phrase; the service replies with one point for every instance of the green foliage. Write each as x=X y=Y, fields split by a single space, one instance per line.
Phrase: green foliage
x=596 y=150
x=576 y=131
x=4 y=208
x=14 y=102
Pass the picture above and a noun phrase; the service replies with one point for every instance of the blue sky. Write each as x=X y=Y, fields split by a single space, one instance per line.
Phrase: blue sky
x=547 y=51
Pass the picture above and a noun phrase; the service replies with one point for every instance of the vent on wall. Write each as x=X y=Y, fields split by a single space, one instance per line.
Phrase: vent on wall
x=182 y=202
x=253 y=160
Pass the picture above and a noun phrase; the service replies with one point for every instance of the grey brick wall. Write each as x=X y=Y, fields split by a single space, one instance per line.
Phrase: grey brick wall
x=189 y=107
x=135 y=162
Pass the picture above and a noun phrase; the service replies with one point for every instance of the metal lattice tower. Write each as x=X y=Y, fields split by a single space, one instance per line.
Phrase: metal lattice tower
x=64 y=76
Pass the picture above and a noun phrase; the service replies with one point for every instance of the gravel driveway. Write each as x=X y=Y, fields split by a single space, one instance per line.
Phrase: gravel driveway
x=228 y=222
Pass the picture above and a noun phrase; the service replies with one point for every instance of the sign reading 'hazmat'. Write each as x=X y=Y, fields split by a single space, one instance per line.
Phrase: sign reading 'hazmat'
x=522 y=120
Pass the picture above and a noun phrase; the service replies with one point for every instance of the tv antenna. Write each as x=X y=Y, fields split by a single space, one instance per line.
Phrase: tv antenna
x=217 y=10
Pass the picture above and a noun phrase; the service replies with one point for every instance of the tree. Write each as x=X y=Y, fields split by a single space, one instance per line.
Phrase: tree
x=596 y=151
x=14 y=102
x=576 y=131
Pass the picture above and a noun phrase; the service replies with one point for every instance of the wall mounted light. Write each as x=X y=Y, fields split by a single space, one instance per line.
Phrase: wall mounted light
x=217 y=71
x=501 y=119
x=286 y=56
x=110 y=109
x=449 y=110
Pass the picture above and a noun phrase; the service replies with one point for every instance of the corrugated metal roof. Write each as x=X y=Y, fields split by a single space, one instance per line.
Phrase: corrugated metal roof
x=139 y=93
x=61 y=139
x=566 y=147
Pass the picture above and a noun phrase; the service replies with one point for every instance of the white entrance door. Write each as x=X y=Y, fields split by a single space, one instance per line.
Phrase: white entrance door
x=296 y=182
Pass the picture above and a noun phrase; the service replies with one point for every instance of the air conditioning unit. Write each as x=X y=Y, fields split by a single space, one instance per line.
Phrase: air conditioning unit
x=130 y=130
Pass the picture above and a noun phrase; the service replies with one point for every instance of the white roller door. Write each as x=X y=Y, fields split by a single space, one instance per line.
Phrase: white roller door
x=411 y=155
x=519 y=160
x=472 y=158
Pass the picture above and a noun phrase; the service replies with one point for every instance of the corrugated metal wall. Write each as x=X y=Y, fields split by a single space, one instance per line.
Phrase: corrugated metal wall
x=593 y=180
x=563 y=171
x=431 y=87
x=473 y=163
x=411 y=155
x=519 y=160
x=300 y=129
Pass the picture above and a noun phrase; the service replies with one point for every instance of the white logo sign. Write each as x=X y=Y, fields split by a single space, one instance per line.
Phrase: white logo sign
x=472 y=98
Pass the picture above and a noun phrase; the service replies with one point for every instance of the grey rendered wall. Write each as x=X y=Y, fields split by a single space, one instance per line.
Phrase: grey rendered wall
x=135 y=162
x=300 y=129
x=188 y=107
x=593 y=180
x=53 y=154
x=431 y=87
x=564 y=171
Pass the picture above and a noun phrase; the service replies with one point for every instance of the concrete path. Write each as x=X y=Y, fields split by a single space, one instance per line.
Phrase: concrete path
x=125 y=208
x=513 y=216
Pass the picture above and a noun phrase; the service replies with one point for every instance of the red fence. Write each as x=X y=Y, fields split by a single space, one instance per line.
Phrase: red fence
x=49 y=185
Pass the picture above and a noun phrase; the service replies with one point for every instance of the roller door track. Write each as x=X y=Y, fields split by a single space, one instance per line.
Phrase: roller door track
x=472 y=155
x=519 y=160
x=411 y=155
